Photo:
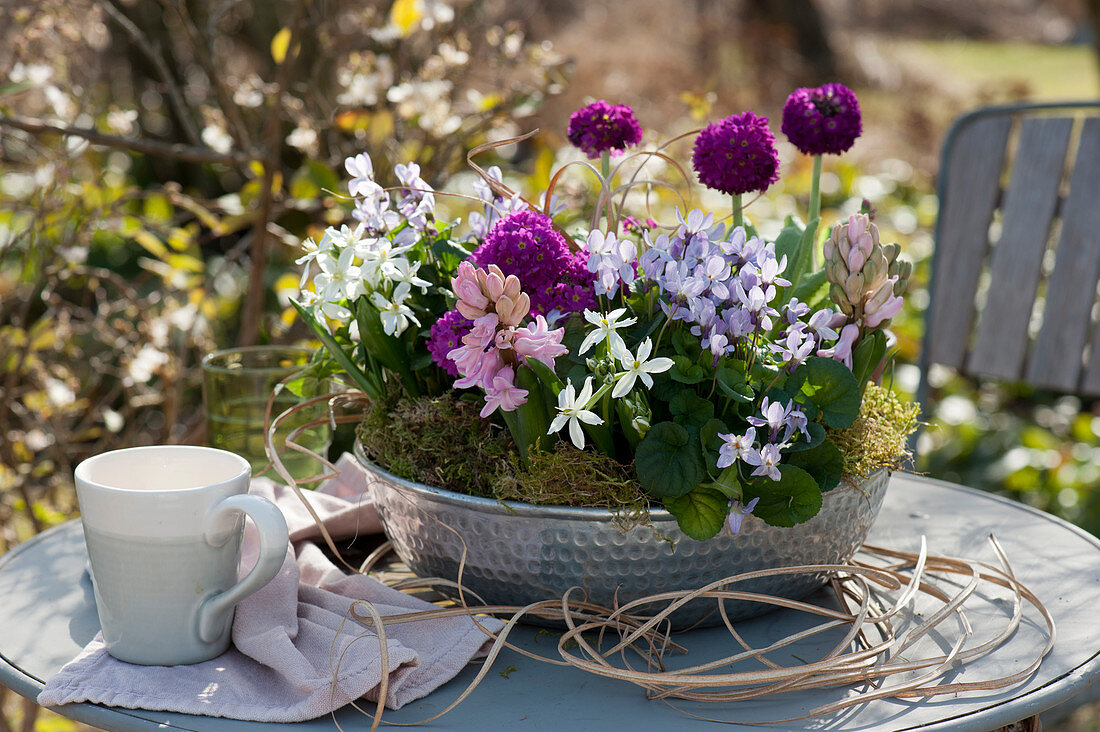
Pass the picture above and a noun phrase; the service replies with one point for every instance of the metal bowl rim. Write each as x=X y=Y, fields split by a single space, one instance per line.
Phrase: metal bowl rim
x=515 y=508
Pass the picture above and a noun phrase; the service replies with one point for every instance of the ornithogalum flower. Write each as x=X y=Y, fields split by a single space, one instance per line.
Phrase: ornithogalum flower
x=573 y=409
x=822 y=120
x=606 y=325
x=736 y=155
x=602 y=127
x=638 y=367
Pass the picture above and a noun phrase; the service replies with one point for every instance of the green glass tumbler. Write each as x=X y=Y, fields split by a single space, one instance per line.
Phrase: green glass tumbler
x=237 y=383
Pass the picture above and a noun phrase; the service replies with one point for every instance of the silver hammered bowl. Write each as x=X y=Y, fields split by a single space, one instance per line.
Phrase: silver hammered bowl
x=518 y=553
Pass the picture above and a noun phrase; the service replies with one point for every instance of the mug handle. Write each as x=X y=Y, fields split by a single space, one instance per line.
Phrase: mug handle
x=216 y=610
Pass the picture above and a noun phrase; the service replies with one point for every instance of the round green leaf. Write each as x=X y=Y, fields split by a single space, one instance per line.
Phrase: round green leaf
x=793 y=499
x=831 y=387
x=700 y=513
x=824 y=462
x=668 y=461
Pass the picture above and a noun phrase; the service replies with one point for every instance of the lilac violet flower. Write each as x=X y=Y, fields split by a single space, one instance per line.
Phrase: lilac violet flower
x=736 y=155
x=601 y=127
x=737 y=516
x=822 y=120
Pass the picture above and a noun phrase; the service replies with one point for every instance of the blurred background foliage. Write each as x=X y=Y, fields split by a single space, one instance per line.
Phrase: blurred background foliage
x=160 y=162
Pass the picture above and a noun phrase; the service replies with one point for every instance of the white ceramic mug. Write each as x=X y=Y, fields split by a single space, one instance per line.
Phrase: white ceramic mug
x=163 y=526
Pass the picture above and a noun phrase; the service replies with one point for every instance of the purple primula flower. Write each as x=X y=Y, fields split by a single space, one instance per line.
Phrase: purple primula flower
x=446 y=335
x=766 y=461
x=601 y=127
x=822 y=120
x=737 y=516
x=736 y=155
x=526 y=244
x=735 y=447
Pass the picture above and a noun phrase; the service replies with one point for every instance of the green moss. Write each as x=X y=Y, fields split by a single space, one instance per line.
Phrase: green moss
x=439 y=441
x=878 y=438
x=581 y=478
x=443 y=442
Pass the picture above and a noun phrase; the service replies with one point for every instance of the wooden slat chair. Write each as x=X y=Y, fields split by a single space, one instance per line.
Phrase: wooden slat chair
x=1013 y=291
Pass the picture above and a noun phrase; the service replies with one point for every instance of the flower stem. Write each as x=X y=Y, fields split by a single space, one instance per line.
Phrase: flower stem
x=815 y=190
x=815 y=205
x=738 y=219
x=605 y=164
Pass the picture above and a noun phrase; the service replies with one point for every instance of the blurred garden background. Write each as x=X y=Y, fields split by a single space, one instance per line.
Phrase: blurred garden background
x=162 y=160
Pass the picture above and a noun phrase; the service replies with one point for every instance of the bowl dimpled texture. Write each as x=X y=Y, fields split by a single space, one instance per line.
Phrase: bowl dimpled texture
x=518 y=554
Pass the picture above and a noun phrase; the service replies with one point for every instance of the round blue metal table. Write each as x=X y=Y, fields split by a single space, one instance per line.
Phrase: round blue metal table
x=47 y=614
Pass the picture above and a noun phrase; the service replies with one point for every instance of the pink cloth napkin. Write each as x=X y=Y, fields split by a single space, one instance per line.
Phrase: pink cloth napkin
x=279 y=668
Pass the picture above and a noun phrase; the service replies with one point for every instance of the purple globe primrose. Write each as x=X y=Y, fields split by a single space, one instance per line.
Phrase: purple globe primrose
x=446 y=335
x=736 y=155
x=601 y=127
x=825 y=120
x=526 y=244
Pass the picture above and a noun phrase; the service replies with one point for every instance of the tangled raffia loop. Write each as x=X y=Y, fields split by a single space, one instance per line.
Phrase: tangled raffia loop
x=875 y=592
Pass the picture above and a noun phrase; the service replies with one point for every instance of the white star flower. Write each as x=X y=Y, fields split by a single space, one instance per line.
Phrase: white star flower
x=572 y=408
x=637 y=367
x=606 y=325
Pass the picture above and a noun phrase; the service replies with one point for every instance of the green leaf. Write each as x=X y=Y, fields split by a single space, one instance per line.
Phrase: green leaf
x=867 y=356
x=830 y=387
x=729 y=483
x=686 y=371
x=701 y=512
x=787 y=241
x=386 y=348
x=356 y=374
x=793 y=499
x=668 y=461
x=824 y=462
x=530 y=421
x=732 y=383
x=690 y=410
x=546 y=375
x=811 y=286
x=449 y=254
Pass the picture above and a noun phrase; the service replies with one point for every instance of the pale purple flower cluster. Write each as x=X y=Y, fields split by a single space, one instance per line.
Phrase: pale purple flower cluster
x=780 y=424
x=415 y=202
x=612 y=260
x=526 y=244
x=725 y=285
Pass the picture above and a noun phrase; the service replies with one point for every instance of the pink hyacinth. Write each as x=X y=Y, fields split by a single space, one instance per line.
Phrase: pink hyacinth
x=496 y=343
x=503 y=393
x=537 y=341
x=842 y=349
